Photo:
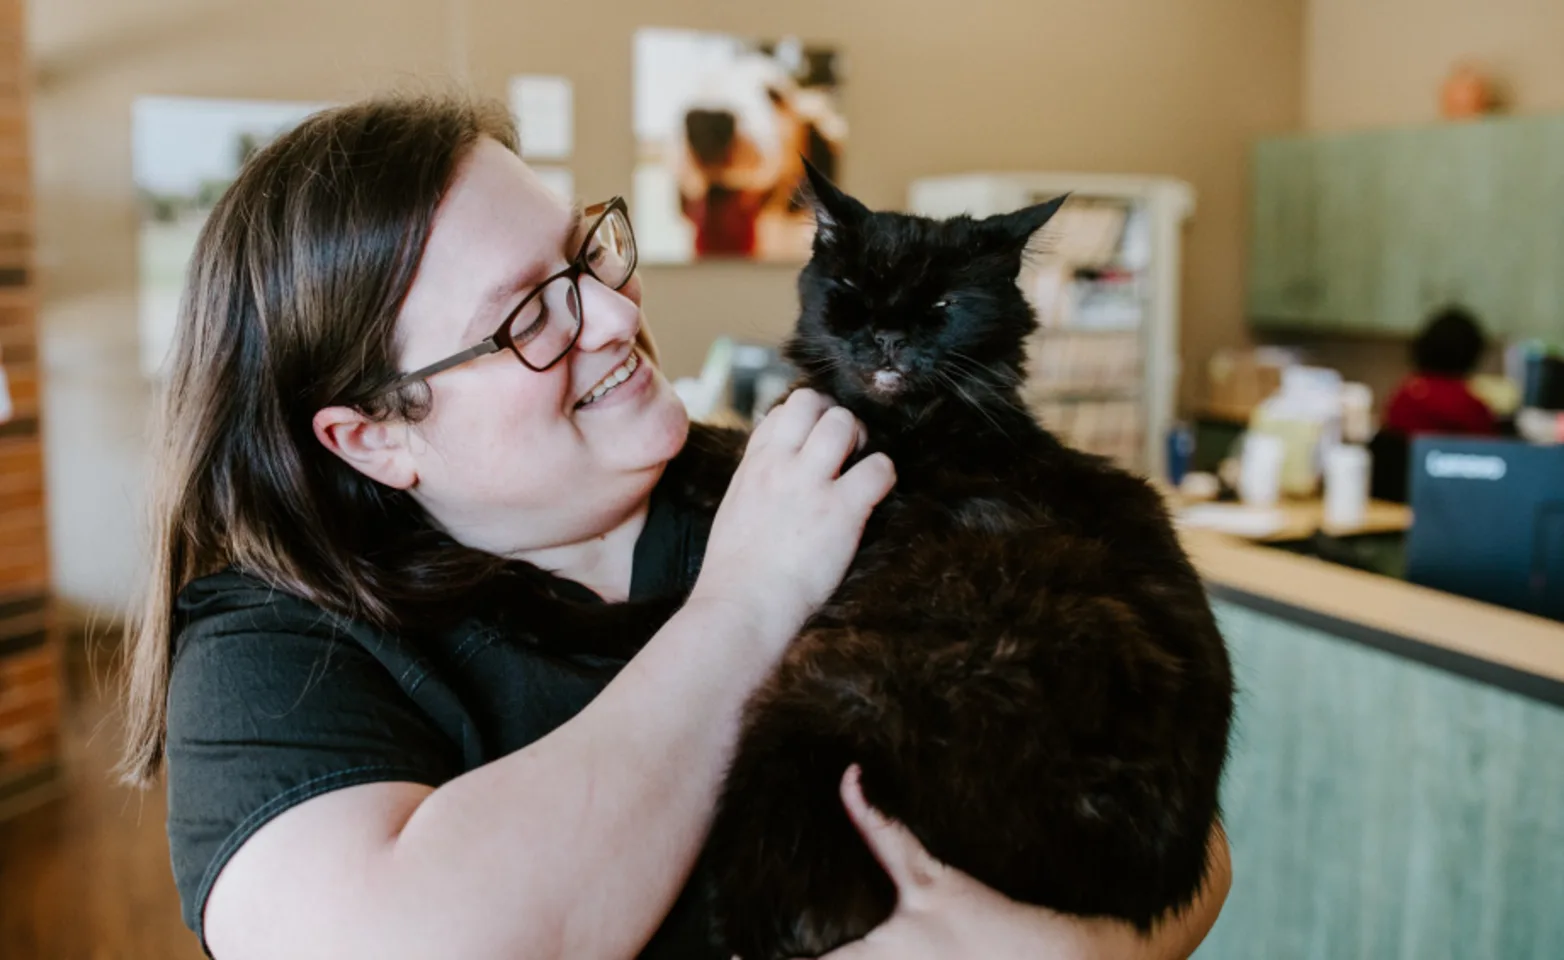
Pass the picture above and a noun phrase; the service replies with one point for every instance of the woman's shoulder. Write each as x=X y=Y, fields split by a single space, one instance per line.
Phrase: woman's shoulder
x=233 y=606
x=231 y=590
x=228 y=588
x=273 y=701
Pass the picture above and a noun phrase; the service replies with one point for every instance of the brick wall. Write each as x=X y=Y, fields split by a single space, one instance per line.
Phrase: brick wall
x=29 y=648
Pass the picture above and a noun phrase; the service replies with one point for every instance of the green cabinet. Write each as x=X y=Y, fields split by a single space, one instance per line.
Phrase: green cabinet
x=1369 y=232
x=1317 y=251
x=1352 y=214
x=1528 y=230
x=1284 y=273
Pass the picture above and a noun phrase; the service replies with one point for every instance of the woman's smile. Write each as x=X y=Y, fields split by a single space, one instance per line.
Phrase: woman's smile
x=620 y=385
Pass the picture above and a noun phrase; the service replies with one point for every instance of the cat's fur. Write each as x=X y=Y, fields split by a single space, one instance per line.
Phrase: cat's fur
x=1021 y=657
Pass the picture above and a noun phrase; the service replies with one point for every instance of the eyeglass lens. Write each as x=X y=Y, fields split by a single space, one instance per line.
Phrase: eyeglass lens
x=546 y=327
x=610 y=252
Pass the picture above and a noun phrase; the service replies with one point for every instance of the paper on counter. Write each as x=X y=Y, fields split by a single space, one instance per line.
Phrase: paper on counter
x=1233 y=518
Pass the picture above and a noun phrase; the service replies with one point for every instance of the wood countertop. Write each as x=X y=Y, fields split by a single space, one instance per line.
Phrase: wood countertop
x=1305 y=517
x=1301 y=519
x=1514 y=650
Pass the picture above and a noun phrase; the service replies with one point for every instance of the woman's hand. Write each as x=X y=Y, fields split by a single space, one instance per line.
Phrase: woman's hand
x=943 y=913
x=791 y=520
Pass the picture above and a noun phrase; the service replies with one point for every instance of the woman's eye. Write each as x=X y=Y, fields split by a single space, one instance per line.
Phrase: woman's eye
x=532 y=327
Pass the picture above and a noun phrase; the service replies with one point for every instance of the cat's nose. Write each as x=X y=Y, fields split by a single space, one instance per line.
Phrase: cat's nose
x=891 y=344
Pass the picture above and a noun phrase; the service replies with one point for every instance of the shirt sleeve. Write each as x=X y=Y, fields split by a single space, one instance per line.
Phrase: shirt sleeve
x=1472 y=415
x=268 y=707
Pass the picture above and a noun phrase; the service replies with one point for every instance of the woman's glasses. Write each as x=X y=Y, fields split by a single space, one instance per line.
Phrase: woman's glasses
x=545 y=325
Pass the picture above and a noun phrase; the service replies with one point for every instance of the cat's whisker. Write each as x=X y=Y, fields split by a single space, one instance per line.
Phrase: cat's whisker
x=978 y=406
x=1004 y=393
x=986 y=372
x=822 y=361
x=969 y=364
x=981 y=379
x=973 y=402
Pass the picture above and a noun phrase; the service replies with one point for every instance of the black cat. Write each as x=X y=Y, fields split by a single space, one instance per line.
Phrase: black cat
x=1021 y=657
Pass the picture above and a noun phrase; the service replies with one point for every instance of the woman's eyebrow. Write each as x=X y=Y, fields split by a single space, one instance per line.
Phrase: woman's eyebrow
x=573 y=232
x=484 y=318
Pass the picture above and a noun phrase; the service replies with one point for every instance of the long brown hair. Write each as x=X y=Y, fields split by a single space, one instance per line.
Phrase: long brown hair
x=290 y=306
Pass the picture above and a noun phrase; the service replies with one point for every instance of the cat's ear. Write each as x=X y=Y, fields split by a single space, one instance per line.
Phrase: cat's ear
x=1017 y=228
x=834 y=210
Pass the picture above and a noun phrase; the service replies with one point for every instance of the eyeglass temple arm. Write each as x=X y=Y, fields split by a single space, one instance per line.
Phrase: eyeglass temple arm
x=486 y=347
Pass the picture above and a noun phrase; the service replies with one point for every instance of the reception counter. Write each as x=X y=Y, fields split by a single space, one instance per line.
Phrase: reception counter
x=1504 y=648
x=1396 y=787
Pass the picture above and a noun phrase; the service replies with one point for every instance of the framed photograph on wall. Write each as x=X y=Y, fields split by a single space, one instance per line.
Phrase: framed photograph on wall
x=185 y=153
x=722 y=124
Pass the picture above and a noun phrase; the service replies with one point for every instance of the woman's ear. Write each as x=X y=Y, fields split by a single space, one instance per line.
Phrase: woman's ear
x=376 y=448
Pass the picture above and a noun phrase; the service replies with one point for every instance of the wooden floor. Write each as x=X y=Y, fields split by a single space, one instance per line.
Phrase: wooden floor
x=87 y=876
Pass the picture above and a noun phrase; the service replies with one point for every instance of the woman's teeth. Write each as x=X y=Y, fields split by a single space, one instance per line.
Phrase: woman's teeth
x=615 y=377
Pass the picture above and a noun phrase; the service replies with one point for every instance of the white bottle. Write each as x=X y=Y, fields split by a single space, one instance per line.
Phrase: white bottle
x=1357 y=413
x=1260 y=469
x=1346 y=488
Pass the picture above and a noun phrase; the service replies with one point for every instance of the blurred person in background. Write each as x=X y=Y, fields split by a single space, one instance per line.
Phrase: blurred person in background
x=408 y=381
x=1435 y=398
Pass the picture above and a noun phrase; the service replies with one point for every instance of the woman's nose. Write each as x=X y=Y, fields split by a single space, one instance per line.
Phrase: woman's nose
x=607 y=316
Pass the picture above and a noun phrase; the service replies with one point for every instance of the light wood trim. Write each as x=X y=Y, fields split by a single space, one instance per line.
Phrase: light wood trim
x=1518 y=640
x=1302 y=519
x=1306 y=517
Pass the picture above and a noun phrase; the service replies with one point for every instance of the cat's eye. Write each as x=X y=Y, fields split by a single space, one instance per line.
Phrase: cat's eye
x=847 y=283
x=941 y=304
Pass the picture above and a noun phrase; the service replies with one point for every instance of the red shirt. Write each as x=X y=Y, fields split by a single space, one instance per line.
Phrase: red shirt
x=1431 y=404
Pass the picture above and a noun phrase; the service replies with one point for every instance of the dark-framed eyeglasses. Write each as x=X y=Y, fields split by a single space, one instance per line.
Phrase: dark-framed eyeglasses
x=547 y=323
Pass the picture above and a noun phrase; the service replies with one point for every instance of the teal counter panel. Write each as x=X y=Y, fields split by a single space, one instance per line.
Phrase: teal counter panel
x=1381 y=808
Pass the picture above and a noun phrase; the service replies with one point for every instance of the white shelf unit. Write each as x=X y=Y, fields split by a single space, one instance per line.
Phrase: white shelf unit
x=1104 y=368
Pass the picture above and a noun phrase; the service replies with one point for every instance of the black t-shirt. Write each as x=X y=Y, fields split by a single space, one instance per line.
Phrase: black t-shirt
x=273 y=701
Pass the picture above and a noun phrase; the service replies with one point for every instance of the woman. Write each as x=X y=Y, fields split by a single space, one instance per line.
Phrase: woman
x=385 y=740
x=1436 y=398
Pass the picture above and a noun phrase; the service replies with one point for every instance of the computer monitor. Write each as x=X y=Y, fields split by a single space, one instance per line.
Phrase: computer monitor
x=1488 y=521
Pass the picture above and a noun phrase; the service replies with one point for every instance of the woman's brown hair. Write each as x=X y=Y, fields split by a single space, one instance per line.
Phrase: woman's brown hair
x=290 y=306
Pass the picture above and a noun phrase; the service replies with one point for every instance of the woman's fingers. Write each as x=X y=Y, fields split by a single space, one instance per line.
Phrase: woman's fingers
x=909 y=865
x=831 y=440
x=790 y=496
x=791 y=424
x=869 y=480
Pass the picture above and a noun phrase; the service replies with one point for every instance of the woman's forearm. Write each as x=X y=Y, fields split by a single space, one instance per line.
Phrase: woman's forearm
x=582 y=840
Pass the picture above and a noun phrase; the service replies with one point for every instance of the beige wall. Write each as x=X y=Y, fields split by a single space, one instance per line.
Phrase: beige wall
x=1143 y=86
x=1381 y=62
